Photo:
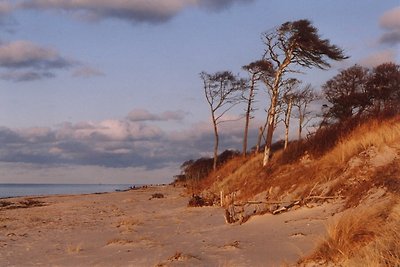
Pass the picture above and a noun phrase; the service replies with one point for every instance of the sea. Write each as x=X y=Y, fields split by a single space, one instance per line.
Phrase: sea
x=21 y=190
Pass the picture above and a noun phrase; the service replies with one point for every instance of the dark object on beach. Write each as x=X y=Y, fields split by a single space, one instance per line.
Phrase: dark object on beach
x=22 y=204
x=198 y=201
x=156 y=195
x=4 y=204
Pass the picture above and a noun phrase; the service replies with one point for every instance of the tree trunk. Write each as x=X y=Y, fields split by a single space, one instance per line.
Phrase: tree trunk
x=301 y=120
x=248 y=111
x=270 y=127
x=274 y=103
x=287 y=122
x=300 y=130
x=216 y=143
x=260 y=134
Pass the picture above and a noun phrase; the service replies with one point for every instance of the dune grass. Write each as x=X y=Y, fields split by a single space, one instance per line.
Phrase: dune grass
x=308 y=166
x=365 y=236
x=74 y=248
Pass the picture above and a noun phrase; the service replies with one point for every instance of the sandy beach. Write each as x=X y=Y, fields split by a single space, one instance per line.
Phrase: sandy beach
x=133 y=229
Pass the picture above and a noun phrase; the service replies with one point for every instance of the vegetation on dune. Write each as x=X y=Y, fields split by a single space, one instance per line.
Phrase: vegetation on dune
x=351 y=156
x=367 y=236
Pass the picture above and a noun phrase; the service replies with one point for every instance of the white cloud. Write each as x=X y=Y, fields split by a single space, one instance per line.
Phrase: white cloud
x=115 y=143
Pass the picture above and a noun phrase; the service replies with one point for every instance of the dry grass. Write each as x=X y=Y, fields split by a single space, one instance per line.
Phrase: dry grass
x=119 y=241
x=73 y=249
x=366 y=236
x=372 y=133
x=247 y=177
x=178 y=257
x=128 y=224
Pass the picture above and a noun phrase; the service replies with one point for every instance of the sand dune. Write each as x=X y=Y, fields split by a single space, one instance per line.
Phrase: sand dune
x=133 y=229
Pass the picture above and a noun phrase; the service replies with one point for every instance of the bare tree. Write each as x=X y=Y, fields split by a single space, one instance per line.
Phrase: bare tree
x=302 y=100
x=222 y=91
x=292 y=44
x=287 y=101
x=256 y=70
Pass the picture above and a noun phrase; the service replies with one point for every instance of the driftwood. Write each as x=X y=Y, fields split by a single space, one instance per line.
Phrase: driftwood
x=283 y=202
x=236 y=211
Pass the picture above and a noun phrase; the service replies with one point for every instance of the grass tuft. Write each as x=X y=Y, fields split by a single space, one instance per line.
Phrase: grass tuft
x=359 y=236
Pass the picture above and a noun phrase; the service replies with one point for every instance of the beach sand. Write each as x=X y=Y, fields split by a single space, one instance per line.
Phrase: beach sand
x=133 y=229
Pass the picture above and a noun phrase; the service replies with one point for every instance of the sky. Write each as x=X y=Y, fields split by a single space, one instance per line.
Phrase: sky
x=98 y=91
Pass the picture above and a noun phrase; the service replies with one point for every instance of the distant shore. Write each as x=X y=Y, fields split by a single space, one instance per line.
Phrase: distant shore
x=148 y=227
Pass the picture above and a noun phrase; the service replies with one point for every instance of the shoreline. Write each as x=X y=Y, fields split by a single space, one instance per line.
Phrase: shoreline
x=133 y=228
x=47 y=190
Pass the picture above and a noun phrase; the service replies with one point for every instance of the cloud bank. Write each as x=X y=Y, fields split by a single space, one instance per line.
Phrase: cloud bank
x=132 y=142
x=150 y=11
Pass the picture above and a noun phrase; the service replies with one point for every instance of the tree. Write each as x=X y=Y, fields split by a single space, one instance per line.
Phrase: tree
x=292 y=44
x=256 y=70
x=222 y=91
x=303 y=99
x=384 y=87
x=287 y=101
x=347 y=93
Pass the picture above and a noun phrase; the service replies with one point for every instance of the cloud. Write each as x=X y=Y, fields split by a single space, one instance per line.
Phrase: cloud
x=25 y=76
x=390 y=22
x=391 y=38
x=378 y=58
x=155 y=11
x=24 y=54
x=87 y=72
x=145 y=115
x=391 y=19
x=23 y=61
x=5 y=8
x=116 y=143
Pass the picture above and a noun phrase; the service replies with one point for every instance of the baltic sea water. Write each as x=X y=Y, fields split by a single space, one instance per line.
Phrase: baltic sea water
x=20 y=190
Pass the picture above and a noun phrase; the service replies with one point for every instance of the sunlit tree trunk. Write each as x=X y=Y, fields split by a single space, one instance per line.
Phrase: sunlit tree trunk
x=272 y=109
x=216 y=141
x=288 y=112
x=248 y=113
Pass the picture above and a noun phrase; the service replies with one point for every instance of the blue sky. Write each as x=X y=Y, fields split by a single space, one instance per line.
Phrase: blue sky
x=108 y=91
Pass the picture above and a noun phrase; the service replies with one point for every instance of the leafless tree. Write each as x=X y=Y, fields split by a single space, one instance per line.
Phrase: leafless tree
x=302 y=101
x=288 y=99
x=256 y=70
x=222 y=91
x=292 y=44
